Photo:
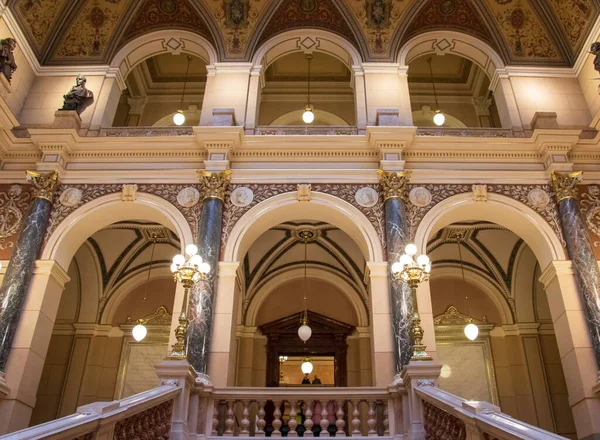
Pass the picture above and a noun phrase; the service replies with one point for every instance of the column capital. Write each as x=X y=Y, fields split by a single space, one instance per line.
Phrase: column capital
x=44 y=184
x=213 y=185
x=565 y=184
x=394 y=184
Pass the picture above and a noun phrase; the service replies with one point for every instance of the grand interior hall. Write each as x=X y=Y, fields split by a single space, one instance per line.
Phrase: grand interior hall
x=299 y=218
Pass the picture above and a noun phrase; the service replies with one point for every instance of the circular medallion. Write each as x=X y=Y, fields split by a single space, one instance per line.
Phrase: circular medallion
x=97 y=17
x=10 y=220
x=308 y=6
x=517 y=18
x=242 y=196
x=366 y=197
x=447 y=7
x=419 y=196
x=188 y=197
x=70 y=197
x=168 y=6
x=538 y=198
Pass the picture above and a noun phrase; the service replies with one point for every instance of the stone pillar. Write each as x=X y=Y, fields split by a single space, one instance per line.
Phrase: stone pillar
x=394 y=186
x=585 y=267
x=201 y=302
x=20 y=268
x=482 y=106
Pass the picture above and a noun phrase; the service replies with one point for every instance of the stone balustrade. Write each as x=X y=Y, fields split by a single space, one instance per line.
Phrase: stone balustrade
x=296 y=130
x=446 y=416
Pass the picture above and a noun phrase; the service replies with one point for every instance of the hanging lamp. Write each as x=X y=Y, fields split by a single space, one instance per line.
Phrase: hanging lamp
x=304 y=332
x=438 y=117
x=307 y=366
x=179 y=117
x=140 y=331
x=471 y=330
x=308 y=116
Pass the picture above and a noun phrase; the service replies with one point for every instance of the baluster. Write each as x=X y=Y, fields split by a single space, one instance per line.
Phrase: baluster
x=245 y=422
x=386 y=419
x=371 y=422
x=261 y=423
x=355 y=419
x=215 y=419
x=276 y=419
x=308 y=423
x=292 y=423
x=340 y=424
x=324 y=420
x=229 y=419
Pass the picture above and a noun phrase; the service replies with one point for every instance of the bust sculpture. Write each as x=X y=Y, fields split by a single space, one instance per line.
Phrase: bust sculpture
x=78 y=93
x=7 y=58
x=595 y=50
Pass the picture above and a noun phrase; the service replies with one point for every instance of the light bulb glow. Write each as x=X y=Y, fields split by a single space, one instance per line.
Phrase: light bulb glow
x=439 y=118
x=304 y=332
x=446 y=371
x=405 y=260
x=307 y=367
x=308 y=116
x=179 y=118
x=191 y=249
x=397 y=267
x=174 y=268
x=471 y=331
x=196 y=260
x=204 y=267
x=411 y=249
x=179 y=259
x=139 y=332
x=423 y=260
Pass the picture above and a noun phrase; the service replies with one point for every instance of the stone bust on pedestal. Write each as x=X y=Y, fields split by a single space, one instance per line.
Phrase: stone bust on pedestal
x=76 y=96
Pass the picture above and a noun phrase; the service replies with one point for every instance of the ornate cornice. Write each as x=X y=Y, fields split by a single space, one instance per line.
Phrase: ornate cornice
x=214 y=185
x=394 y=184
x=44 y=184
x=565 y=184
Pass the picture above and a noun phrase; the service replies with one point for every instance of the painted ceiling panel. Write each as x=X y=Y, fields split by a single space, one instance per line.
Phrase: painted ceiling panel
x=38 y=18
x=575 y=17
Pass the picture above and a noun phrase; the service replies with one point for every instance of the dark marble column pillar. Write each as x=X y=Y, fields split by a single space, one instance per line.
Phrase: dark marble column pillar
x=201 y=302
x=579 y=247
x=20 y=267
x=394 y=186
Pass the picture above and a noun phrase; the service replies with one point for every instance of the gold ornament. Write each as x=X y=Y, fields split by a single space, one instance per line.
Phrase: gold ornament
x=394 y=184
x=213 y=185
x=565 y=184
x=44 y=184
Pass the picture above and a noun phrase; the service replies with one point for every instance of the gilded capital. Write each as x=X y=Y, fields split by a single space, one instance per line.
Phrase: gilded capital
x=213 y=185
x=44 y=184
x=565 y=184
x=394 y=184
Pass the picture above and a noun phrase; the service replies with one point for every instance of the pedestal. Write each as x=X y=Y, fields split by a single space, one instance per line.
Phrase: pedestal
x=418 y=374
x=66 y=119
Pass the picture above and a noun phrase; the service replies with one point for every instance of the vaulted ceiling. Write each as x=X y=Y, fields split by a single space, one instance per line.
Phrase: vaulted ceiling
x=531 y=32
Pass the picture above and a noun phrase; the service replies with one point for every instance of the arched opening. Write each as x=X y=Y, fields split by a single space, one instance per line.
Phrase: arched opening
x=491 y=253
x=461 y=90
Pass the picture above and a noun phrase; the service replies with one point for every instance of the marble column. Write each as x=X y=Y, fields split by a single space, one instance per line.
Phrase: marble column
x=20 y=267
x=579 y=247
x=394 y=186
x=201 y=301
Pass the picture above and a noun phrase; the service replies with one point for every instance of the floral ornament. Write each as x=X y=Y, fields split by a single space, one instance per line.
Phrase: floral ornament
x=13 y=204
x=590 y=208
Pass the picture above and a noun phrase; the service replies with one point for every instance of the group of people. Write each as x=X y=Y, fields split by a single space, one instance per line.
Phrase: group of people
x=315 y=381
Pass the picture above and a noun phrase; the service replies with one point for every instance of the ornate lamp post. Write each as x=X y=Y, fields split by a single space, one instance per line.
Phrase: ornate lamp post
x=187 y=272
x=413 y=273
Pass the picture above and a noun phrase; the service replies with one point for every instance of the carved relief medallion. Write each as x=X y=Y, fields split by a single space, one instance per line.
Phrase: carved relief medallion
x=188 y=197
x=538 y=198
x=366 y=197
x=11 y=217
x=419 y=196
x=70 y=197
x=242 y=196
x=480 y=193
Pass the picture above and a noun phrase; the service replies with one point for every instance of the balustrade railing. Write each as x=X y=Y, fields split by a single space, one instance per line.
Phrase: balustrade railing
x=144 y=416
x=312 y=412
x=315 y=130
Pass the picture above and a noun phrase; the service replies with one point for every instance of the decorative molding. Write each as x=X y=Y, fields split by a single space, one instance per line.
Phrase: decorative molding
x=453 y=317
x=129 y=191
x=14 y=203
x=304 y=192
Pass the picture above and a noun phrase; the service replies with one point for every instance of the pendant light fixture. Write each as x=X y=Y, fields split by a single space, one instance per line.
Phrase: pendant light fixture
x=308 y=116
x=471 y=330
x=305 y=332
x=438 y=117
x=307 y=366
x=179 y=117
x=140 y=331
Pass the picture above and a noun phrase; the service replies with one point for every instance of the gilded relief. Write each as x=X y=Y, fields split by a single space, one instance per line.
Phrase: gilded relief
x=90 y=33
x=39 y=16
x=236 y=20
x=14 y=203
x=589 y=201
x=574 y=16
x=378 y=19
x=523 y=31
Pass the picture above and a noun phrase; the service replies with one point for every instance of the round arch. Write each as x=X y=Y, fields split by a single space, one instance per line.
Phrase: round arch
x=422 y=119
x=72 y=232
x=329 y=277
x=321 y=41
x=286 y=207
x=484 y=284
x=159 y=42
x=322 y=117
x=499 y=209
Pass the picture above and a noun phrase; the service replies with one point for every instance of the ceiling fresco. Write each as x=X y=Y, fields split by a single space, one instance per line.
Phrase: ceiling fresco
x=524 y=32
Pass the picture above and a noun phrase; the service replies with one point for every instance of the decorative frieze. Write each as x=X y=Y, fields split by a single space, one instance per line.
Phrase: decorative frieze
x=14 y=203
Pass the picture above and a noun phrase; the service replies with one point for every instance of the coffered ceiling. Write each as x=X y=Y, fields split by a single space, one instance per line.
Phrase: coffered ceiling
x=534 y=32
